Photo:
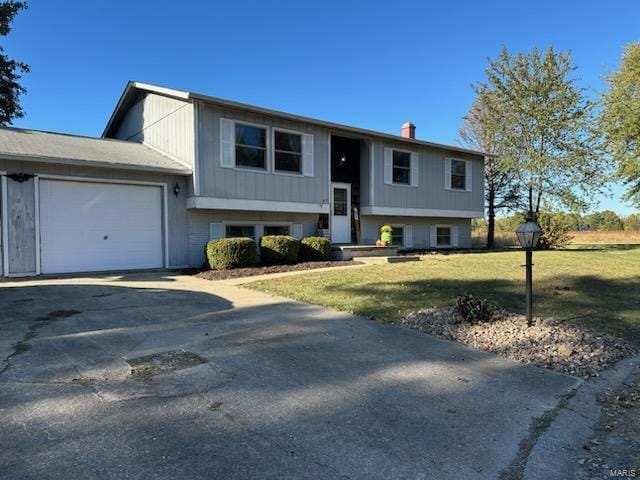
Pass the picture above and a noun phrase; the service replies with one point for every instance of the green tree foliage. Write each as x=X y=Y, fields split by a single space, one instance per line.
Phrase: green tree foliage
x=544 y=128
x=10 y=70
x=480 y=131
x=605 y=220
x=632 y=222
x=555 y=230
x=619 y=120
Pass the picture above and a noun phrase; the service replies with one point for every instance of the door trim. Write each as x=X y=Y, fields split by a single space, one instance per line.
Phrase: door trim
x=347 y=186
x=70 y=178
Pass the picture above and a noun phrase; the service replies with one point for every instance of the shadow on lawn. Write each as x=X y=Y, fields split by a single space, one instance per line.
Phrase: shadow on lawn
x=611 y=306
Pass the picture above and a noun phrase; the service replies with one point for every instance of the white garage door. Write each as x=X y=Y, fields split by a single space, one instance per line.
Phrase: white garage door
x=86 y=226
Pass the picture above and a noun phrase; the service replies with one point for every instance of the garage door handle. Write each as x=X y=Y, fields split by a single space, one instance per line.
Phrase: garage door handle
x=106 y=237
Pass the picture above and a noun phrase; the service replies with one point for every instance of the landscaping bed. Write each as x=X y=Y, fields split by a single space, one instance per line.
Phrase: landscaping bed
x=574 y=350
x=262 y=270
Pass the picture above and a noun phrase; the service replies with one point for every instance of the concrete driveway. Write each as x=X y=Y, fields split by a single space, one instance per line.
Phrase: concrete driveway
x=287 y=390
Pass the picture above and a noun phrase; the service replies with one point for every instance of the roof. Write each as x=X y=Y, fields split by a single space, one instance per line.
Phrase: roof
x=41 y=146
x=130 y=96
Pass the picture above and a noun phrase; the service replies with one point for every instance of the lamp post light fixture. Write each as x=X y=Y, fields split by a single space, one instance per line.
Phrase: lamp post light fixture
x=528 y=235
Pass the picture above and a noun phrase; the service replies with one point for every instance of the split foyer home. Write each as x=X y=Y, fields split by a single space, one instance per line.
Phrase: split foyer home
x=174 y=169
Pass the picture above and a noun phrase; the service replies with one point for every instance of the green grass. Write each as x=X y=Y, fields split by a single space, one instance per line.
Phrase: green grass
x=595 y=286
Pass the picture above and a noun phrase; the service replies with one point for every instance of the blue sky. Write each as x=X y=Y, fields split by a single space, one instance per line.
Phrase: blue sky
x=372 y=64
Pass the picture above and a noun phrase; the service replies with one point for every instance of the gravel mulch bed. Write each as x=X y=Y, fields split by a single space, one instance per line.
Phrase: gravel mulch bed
x=563 y=348
x=253 y=271
x=615 y=446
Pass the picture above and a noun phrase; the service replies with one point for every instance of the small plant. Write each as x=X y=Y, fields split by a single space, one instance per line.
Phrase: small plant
x=474 y=310
x=279 y=250
x=228 y=253
x=386 y=235
x=315 y=249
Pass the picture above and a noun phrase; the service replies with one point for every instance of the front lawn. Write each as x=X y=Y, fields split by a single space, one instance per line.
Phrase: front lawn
x=598 y=287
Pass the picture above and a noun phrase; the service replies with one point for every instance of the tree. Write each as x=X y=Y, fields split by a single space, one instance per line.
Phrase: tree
x=479 y=131
x=632 y=222
x=605 y=220
x=10 y=70
x=544 y=128
x=619 y=120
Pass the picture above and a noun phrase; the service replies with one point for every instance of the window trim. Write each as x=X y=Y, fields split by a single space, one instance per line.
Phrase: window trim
x=273 y=142
x=404 y=230
x=258 y=227
x=450 y=227
x=239 y=224
x=400 y=184
x=468 y=164
x=267 y=148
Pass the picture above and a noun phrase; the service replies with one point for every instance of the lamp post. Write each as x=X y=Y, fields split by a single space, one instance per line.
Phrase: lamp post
x=528 y=235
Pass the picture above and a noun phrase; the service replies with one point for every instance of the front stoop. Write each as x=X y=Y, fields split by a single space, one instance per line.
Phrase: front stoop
x=348 y=252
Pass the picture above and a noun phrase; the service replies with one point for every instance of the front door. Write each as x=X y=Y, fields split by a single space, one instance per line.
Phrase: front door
x=340 y=213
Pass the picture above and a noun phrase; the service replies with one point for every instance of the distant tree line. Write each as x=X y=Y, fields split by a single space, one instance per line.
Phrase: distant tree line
x=605 y=220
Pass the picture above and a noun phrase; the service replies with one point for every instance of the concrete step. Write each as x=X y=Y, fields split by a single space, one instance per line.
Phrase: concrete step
x=390 y=259
x=347 y=252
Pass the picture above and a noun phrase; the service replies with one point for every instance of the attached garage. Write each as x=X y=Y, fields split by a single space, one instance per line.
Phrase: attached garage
x=72 y=204
x=89 y=226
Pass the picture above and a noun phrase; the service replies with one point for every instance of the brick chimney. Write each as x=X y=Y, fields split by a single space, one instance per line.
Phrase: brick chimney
x=409 y=130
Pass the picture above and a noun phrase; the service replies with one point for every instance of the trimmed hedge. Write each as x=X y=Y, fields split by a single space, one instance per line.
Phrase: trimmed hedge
x=315 y=249
x=229 y=253
x=279 y=249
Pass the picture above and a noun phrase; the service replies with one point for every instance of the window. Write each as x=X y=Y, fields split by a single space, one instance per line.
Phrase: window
x=401 y=167
x=287 y=151
x=251 y=146
x=276 y=229
x=397 y=236
x=458 y=174
x=232 y=231
x=443 y=236
x=340 y=202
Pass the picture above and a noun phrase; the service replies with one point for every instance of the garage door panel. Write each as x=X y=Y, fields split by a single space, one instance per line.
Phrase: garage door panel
x=87 y=226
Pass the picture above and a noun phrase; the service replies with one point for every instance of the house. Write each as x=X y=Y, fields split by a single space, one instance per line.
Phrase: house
x=175 y=169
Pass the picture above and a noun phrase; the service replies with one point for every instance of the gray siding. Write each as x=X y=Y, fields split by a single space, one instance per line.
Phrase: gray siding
x=430 y=192
x=176 y=206
x=164 y=123
x=199 y=221
x=370 y=225
x=238 y=183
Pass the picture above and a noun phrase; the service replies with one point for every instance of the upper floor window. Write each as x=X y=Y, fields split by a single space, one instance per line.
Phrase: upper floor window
x=458 y=174
x=401 y=167
x=287 y=151
x=251 y=146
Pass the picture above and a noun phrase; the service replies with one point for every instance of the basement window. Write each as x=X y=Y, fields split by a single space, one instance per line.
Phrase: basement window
x=234 y=231
x=443 y=236
x=276 y=230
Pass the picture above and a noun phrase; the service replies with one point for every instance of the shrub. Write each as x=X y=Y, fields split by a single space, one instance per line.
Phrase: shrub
x=555 y=232
x=474 y=310
x=315 y=249
x=231 y=253
x=279 y=249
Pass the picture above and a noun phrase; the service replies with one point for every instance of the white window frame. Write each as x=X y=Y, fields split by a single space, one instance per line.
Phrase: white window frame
x=276 y=224
x=467 y=170
x=450 y=227
x=267 y=148
x=404 y=231
x=240 y=224
x=411 y=154
x=273 y=142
